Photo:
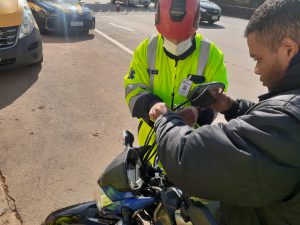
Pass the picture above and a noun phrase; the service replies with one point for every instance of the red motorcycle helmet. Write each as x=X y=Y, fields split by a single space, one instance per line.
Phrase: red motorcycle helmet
x=177 y=19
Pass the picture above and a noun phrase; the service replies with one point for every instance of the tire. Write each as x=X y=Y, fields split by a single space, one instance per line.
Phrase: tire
x=146 y=6
x=113 y=1
x=211 y=22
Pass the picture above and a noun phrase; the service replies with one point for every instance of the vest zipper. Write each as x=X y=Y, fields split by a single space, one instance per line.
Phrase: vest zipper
x=173 y=94
x=172 y=104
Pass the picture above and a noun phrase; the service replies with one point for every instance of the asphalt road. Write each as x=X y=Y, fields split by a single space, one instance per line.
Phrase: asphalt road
x=61 y=123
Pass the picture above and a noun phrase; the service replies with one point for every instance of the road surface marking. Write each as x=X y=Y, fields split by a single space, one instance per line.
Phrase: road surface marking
x=129 y=51
x=116 y=25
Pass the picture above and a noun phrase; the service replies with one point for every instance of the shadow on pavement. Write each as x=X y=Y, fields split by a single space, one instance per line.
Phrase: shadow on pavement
x=66 y=38
x=204 y=25
x=14 y=83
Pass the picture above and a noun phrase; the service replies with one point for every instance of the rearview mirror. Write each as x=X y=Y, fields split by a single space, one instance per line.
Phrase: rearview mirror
x=128 y=138
x=202 y=95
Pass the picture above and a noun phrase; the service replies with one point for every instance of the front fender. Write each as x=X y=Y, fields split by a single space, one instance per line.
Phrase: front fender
x=80 y=214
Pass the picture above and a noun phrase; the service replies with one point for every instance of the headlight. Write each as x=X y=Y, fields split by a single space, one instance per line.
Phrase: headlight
x=202 y=9
x=49 y=13
x=102 y=200
x=28 y=20
x=88 y=13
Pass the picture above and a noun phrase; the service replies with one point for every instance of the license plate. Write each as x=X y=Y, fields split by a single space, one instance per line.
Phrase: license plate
x=214 y=17
x=76 y=23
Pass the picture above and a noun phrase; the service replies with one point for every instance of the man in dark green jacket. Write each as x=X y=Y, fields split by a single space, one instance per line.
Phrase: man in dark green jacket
x=252 y=163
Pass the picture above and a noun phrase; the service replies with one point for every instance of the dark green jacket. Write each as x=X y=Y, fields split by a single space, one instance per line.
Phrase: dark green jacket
x=251 y=164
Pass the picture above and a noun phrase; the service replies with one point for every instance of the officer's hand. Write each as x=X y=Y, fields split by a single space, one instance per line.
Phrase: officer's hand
x=222 y=102
x=189 y=115
x=158 y=109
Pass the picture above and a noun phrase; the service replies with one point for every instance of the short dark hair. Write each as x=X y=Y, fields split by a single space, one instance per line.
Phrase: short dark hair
x=275 y=20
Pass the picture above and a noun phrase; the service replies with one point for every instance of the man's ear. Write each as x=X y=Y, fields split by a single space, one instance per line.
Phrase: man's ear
x=290 y=46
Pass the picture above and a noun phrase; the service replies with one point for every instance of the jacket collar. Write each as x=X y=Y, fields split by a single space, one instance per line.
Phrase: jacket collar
x=290 y=81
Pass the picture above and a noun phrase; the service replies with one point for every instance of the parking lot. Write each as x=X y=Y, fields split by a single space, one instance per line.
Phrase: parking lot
x=61 y=122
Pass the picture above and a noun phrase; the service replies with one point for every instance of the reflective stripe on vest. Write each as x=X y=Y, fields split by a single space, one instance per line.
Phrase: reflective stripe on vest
x=134 y=99
x=131 y=87
x=203 y=58
x=151 y=55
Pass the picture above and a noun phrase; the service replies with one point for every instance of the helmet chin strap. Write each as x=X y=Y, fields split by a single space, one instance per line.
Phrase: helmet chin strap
x=178 y=49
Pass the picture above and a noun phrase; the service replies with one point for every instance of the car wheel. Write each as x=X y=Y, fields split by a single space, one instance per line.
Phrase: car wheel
x=146 y=6
x=211 y=21
x=113 y=1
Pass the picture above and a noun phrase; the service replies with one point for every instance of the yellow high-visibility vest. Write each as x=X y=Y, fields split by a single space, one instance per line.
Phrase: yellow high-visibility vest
x=152 y=71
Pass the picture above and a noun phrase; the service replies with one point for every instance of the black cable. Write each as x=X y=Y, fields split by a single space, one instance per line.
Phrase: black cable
x=153 y=153
x=150 y=151
x=146 y=144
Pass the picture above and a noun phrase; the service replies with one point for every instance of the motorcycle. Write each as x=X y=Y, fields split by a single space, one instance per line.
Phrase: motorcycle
x=132 y=191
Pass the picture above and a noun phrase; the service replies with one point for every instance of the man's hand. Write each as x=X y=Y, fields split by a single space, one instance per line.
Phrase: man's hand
x=222 y=102
x=158 y=109
x=189 y=115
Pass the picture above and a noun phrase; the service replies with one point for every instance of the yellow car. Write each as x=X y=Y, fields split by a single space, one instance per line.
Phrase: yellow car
x=20 y=39
x=62 y=15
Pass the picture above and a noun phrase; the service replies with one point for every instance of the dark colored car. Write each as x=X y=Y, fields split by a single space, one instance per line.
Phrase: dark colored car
x=210 y=11
x=62 y=15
